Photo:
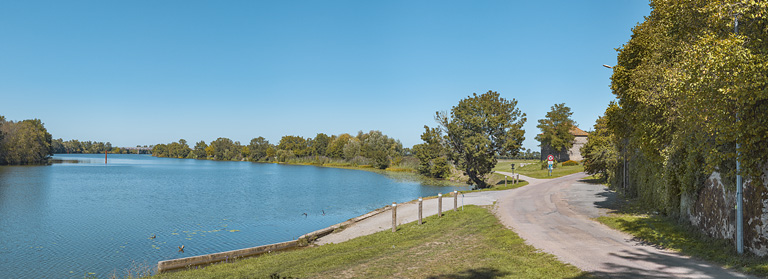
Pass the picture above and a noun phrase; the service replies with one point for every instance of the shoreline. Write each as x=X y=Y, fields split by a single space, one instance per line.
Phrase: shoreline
x=342 y=231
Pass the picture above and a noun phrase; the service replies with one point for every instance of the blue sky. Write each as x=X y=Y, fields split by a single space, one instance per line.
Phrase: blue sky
x=147 y=72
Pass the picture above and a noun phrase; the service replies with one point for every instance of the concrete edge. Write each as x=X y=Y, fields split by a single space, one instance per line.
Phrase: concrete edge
x=163 y=266
x=166 y=265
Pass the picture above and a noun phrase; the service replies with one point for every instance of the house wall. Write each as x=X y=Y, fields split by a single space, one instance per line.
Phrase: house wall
x=572 y=154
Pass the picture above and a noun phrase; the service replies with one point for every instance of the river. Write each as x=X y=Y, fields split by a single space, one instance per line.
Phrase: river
x=81 y=217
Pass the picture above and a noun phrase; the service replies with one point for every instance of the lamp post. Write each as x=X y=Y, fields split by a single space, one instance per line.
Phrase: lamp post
x=739 y=187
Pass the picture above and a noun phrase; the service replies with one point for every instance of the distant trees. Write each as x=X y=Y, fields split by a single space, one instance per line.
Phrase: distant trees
x=24 y=142
x=178 y=149
x=556 y=129
x=480 y=128
x=76 y=147
x=372 y=148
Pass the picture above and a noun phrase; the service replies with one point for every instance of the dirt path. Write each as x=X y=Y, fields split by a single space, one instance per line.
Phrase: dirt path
x=554 y=216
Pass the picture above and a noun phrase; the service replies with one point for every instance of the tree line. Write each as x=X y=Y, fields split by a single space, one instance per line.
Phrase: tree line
x=480 y=130
x=692 y=96
x=24 y=142
x=372 y=148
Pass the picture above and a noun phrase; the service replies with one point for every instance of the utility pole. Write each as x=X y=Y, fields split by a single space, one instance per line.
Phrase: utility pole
x=739 y=187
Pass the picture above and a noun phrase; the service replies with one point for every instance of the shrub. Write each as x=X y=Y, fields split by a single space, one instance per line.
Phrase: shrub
x=544 y=165
x=570 y=163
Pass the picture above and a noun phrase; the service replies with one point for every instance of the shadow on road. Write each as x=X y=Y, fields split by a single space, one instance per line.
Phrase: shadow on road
x=665 y=270
x=483 y=273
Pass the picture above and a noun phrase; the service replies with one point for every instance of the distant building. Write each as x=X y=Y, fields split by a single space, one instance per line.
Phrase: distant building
x=574 y=153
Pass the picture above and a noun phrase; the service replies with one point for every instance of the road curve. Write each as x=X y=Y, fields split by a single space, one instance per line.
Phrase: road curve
x=555 y=216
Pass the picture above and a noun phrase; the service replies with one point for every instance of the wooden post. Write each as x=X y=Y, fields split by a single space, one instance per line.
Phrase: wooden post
x=105 y=156
x=439 y=205
x=420 y=210
x=455 y=200
x=394 y=217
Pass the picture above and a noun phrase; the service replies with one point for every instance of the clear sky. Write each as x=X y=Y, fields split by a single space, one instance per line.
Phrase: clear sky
x=147 y=72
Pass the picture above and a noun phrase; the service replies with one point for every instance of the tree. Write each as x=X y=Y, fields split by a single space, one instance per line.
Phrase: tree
x=336 y=147
x=600 y=153
x=199 y=151
x=296 y=144
x=24 y=142
x=258 y=147
x=478 y=129
x=378 y=147
x=320 y=144
x=431 y=154
x=556 y=129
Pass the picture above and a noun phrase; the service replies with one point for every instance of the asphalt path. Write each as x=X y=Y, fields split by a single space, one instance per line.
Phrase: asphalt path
x=555 y=216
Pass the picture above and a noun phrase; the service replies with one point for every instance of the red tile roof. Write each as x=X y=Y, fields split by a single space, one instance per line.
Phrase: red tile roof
x=578 y=132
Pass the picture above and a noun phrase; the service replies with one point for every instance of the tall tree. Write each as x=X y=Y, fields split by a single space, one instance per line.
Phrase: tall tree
x=556 y=129
x=25 y=142
x=431 y=154
x=258 y=147
x=478 y=129
x=199 y=151
x=320 y=144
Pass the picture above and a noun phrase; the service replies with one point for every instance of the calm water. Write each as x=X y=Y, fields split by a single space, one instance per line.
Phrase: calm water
x=82 y=216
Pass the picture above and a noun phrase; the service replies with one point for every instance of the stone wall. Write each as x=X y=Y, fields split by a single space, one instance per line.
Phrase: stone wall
x=713 y=210
x=572 y=154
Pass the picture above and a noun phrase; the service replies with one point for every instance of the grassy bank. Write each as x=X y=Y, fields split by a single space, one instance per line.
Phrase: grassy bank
x=664 y=232
x=533 y=169
x=465 y=244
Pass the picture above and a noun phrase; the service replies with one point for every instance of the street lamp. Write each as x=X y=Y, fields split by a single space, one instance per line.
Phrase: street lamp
x=739 y=187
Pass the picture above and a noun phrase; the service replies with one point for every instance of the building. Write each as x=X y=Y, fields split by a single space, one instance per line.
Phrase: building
x=572 y=154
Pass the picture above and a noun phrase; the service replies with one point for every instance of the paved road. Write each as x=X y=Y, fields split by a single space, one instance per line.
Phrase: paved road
x=554 y=216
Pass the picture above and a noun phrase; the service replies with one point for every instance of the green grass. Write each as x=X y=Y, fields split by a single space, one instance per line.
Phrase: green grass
x=534 y=170
x=667 y=233
x=465 y=244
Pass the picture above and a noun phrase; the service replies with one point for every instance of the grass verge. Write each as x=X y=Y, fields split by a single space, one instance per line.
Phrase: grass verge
x=465 y=244
x=669 y=234
x=533 y=169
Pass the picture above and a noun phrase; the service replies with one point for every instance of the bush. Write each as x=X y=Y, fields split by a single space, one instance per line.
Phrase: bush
x=545 y=165
x=570 y=163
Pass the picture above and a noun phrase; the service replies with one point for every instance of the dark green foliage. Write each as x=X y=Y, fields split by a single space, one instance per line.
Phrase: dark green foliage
x=372 y=148
x=299 y=146
x=258 y=148
x=600 y=152
x=319 y=145
x=24 y=142
x=480 y=128
x=556 y=129
x=199 y=151
x=75 y=146
x=432 y=154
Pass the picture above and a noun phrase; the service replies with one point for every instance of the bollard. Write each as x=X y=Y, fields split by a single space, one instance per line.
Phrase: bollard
x=394 y=217
x=518 y=178
x=455 y=200
x=505 y=180
x=419 y=210
x=439 y=205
